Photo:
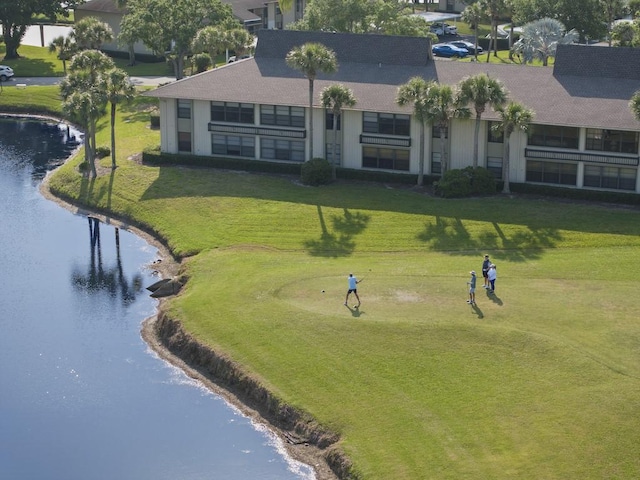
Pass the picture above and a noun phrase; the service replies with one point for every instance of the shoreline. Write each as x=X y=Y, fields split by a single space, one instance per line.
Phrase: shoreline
x=313 y=448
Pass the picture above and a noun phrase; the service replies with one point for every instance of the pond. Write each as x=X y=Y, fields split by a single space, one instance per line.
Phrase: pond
x=83 y=397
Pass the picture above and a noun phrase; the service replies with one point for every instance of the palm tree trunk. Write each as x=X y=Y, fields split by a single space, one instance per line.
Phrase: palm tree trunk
x=444 y=160
x=421 y=159
x=92 y=147
x=476 y=136
x=335 y=145
x=505 y=164
x=113 y=135
x=310 y=119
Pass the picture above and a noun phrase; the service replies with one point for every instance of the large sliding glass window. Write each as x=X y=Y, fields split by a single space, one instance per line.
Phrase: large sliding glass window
x=282 y=116
x=232 y=112
x=233 y=145
x=554 y=136
x=386 y=123
x=612 y=141
x=610 y=177
x=552 y=172
x=385 y=158
x=273 y=149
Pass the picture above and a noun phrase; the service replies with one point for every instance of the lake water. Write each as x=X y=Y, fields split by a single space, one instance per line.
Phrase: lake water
x=82 y=397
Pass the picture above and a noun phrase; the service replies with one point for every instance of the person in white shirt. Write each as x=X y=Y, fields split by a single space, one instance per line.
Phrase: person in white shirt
x=353 y=288
x=492 y=275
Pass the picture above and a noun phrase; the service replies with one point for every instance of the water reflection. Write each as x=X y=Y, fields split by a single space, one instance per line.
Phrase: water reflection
x=41 y=145
x=109 y=278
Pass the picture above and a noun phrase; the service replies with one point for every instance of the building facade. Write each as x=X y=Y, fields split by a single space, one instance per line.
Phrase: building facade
x=583 y=135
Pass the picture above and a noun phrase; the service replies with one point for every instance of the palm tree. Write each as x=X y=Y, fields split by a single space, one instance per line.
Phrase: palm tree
x=91 y=33
x=83 y=87
x=335 y=98
x=415 y=92
x=239 y=40
x=513 y=116
x=473 y=15
x=118 y=89
x=443 y=106
x=66 y=48
x=540 y=39
x=311 y=59
x=84 y=108
x=493 y=9
x=210 y=39
x=481 y=90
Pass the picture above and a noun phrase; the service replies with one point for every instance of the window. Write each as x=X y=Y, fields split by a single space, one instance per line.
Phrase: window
x=385 y=158
x=282 y=116
x=184 y=108
x=273 y=149
x=233 y=145
x=494 y=165
x=184 y=141
x=492 y=135
x=612 y=141
x=328 y=121
x=232 y=112
x=610 y=177
x=552 y=172
x=436 y=163
x=386 y=123
x=554 y=136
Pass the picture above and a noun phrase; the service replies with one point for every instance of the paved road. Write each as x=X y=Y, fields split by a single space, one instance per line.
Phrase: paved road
x=146 y=81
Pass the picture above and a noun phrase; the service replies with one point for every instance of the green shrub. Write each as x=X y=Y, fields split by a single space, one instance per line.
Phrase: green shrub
x=316 y=172
x=102 y=152
x=466 y=182
x=202 y=61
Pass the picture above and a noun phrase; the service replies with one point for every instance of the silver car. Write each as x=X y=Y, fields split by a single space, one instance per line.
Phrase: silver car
x=5 y=73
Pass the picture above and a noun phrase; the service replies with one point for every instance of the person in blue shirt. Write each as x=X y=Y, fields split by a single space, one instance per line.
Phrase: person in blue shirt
x=485 y=270
x=353 y=288
x=472 y=288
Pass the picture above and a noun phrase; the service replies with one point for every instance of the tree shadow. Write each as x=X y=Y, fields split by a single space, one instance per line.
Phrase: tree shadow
x=338 y=243
x=447 y=232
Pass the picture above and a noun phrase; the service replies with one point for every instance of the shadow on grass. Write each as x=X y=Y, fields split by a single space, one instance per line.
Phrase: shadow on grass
x=339 y=244
x=445 y=232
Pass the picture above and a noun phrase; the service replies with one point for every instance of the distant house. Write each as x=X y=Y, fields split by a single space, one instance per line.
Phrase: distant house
x=451 y=5
x=107 y=12
x=584 y=134
x=253 y=14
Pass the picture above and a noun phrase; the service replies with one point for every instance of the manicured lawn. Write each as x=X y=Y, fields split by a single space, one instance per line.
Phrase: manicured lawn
x=541 y=380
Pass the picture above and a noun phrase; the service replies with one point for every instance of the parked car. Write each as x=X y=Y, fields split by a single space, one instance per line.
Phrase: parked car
x=233 y=58
x=440 y=28
x=470 y=47
x=5 y=73
x=448 y=50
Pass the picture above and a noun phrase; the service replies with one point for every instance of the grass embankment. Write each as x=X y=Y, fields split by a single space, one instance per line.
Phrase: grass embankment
x=541 y=380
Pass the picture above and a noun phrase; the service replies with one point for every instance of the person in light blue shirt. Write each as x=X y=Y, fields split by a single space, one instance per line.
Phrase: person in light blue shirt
x=472 y=288
x=353 y=288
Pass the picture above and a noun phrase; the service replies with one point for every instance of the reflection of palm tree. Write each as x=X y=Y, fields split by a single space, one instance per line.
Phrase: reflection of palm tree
x=111 y=279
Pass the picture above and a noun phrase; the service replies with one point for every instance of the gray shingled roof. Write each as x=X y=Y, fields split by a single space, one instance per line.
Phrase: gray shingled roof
x=266 y=79
x=385 y=49
x=593 y=61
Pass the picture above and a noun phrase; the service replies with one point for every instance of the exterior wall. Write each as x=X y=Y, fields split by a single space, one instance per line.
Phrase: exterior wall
x=351 y=148
x=201 y=115
x=168 y=125
x=451 y=5
x=461 y=143
x=113 y=20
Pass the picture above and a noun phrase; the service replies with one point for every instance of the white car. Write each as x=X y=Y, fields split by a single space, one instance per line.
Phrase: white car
x=440 y=28
x=233 y=58
x=5 y=73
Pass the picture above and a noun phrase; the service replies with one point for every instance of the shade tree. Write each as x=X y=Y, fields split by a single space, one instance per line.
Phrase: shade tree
x=335 y=98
